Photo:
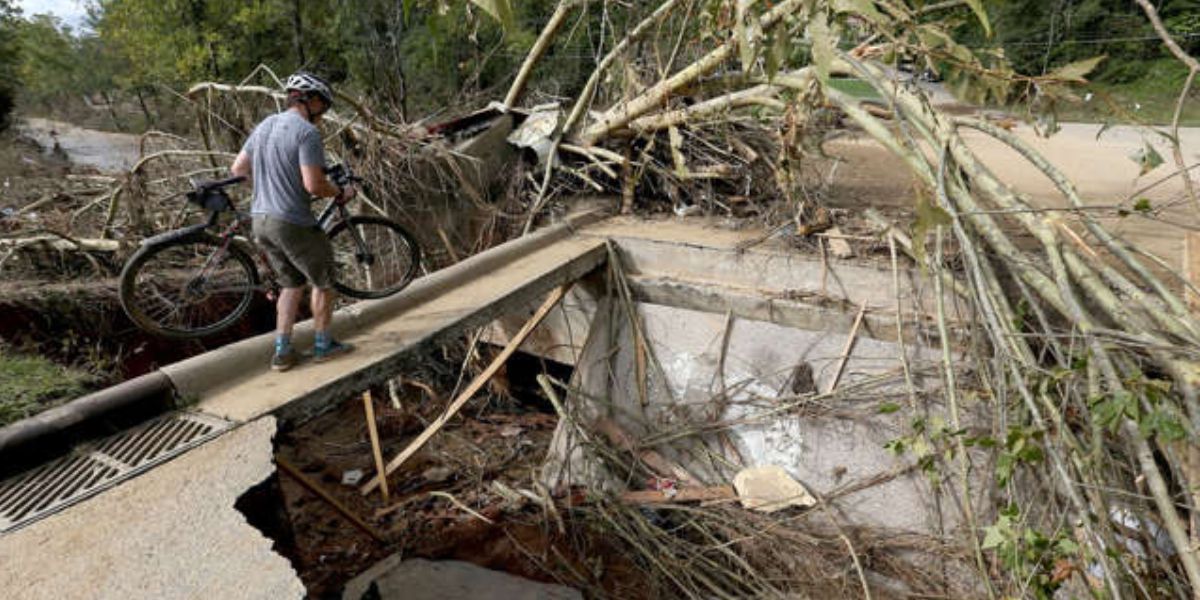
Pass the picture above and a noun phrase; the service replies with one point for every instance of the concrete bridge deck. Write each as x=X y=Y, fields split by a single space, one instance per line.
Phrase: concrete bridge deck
x=173 y=530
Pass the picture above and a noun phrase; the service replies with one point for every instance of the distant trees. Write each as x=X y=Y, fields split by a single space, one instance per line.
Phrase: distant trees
x=387 y=49
x=9 y=59
x=1038 y=35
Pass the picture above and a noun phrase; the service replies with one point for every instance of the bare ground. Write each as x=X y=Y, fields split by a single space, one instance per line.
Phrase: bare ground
x=1101 y=169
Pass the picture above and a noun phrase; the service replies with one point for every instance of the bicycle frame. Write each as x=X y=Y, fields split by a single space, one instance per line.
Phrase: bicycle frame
x=241 y=219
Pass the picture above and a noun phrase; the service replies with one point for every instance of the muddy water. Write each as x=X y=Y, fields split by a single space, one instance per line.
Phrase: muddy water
x=106 y=151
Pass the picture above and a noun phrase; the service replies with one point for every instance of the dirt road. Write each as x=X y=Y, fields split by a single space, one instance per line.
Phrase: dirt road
x=1101 y=169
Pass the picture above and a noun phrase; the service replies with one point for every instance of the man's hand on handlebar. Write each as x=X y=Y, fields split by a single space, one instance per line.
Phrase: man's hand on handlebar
x=347 y=194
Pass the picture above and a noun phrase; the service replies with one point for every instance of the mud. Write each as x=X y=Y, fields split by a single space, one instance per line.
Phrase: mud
x=503 y=438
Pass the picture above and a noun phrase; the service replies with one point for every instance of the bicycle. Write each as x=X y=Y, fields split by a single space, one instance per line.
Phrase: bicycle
x=192 y=282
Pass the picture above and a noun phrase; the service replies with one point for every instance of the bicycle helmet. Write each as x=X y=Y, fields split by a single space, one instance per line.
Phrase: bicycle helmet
x=307 y=83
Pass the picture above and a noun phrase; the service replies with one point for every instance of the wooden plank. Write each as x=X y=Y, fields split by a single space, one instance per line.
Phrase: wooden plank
x=704 y=494
x=659 y=464
x=311 y=486
x=837 y=375
x=475 y=385
x=369 y=409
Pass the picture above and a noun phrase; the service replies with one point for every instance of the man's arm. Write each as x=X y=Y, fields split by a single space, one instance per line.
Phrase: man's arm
x=241 y=165
x=316 y=182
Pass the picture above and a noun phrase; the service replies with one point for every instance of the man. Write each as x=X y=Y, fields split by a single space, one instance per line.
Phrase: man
x=285 y=156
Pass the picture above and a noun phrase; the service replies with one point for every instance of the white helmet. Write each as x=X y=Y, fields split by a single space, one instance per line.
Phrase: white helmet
x=303 y=81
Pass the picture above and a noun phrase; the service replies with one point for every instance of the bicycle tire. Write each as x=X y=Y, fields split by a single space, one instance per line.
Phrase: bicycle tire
x=392 y=264
x=157 y=299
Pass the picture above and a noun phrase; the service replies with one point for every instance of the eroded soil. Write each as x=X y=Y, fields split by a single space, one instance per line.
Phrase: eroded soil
x=445 y=502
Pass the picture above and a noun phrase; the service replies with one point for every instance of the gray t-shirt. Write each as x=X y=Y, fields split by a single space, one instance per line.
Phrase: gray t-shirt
x=278 y=147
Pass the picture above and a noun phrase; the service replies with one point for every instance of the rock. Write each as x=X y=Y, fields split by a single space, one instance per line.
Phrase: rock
x=802 y=379
x=769 y=488
x=417 y=579
x=437 y=474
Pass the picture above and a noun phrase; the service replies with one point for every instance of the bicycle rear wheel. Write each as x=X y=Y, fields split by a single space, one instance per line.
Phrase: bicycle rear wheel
x=188 y=288
x=385 y=264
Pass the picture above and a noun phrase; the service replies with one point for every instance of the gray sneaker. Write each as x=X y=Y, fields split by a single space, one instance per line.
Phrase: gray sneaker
x=333 y=350
x=284 y=361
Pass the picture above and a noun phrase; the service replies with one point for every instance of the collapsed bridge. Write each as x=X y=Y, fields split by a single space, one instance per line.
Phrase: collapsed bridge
x=725 y=324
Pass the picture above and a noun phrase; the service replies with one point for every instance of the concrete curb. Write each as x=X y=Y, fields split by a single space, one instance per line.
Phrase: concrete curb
x=40 y=437
x=32 y=440
x=194 y=377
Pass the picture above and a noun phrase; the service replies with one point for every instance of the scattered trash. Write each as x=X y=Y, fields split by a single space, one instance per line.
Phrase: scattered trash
x=769 y=488
x=668 y=487
x=1132 y=530
x=352 y=476
x=538 y=132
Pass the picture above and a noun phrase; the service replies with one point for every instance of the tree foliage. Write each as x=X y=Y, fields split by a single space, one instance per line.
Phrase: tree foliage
x=1038 y=36
x=9 y=59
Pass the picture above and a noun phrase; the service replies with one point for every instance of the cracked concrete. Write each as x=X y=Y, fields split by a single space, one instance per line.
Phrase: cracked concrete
x=171 y=533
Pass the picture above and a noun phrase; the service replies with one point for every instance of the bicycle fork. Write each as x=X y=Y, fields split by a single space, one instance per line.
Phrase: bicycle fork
x=362 y=253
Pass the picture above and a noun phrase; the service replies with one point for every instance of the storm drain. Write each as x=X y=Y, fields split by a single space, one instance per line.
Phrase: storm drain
x=94 y=468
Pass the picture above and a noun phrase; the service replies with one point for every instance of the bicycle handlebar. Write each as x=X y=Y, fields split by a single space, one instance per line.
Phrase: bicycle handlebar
x=341 y=175
x=220 y=183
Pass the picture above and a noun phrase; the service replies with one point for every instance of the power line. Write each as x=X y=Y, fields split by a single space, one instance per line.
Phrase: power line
x=1103 y=40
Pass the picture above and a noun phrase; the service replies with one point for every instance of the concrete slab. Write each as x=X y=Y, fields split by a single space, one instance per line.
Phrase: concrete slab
x=417 y=579
x=695 y=250
x=696 y=264
x=249 y=389
x=170 y=533
x=825 y=445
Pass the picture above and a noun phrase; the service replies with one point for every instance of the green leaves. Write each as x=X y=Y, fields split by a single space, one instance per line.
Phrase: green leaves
x=1164 y=424
x=888 y=408
x=1076 y=71
x=500 y=10
x=1110 y=410
x=1020 y=447
x=744 y=25
x=981 y=14
x=1147 y=157
x=862 y=8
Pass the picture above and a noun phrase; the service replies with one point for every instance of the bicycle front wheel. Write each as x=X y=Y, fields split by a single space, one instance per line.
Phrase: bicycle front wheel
x=188 y=288
x=377 y=262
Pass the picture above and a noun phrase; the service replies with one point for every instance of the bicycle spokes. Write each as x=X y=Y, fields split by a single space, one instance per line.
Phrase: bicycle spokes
x=188 y=287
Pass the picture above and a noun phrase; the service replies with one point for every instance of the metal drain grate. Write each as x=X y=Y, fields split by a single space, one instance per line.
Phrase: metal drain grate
x=94 y=468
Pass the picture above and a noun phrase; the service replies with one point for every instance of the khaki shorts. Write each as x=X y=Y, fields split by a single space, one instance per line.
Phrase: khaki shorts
x=298 y=254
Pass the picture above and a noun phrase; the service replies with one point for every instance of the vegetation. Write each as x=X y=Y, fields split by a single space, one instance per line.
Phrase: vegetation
x=31 y=384
x=1138 y=79
x=9 y=60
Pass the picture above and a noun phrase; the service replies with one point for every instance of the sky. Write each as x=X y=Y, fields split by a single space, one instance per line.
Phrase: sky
x=70 y=11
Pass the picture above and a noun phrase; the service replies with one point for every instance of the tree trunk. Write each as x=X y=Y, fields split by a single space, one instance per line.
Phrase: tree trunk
x=112 y=111
x=298 y=33
x=150 y=124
